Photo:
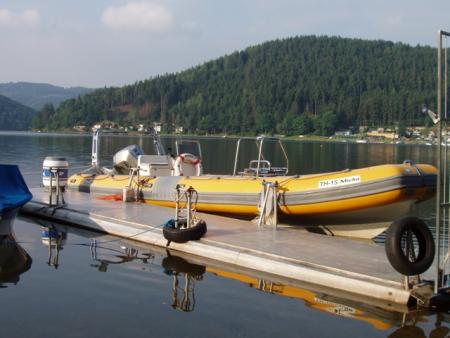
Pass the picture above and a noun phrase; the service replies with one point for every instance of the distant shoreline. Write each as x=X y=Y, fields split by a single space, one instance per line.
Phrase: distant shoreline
x=306 y=138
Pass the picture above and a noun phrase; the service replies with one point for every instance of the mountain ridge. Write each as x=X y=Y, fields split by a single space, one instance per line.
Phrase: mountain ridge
x=295 y=85
x=36 y=95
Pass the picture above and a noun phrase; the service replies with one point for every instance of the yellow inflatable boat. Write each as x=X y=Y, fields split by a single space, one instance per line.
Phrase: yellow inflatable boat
x=340 y=201
x=368 y=195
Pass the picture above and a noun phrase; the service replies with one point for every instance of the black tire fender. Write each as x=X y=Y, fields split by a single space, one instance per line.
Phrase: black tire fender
x=425 y=242
x=183 y=235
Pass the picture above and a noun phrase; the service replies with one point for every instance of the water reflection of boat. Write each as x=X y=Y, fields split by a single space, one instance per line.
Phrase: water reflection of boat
x=321 y=302
x=14 y=260
x=186 y=271
x=192 y=272
x=13 y=194
x=349 y=202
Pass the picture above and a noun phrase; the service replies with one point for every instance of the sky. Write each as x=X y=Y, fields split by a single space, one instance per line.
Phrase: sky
x=97 y=43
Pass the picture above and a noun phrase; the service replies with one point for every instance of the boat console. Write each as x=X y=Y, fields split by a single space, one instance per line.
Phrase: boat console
x=155 y=165
x=263 y=168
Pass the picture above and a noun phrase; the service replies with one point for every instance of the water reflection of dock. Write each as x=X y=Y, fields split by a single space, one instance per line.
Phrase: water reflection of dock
x=355 y=268
x=186 y=273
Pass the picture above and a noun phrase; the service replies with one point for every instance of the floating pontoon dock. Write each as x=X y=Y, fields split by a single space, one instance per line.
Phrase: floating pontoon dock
x=355 y=267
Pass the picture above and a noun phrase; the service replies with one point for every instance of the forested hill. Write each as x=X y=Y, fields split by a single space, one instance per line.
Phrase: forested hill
x=295 y=85
x=36 y=95
x=13 y=115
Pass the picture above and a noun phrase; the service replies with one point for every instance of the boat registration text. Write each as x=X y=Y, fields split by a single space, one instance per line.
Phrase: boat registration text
x=335 y=182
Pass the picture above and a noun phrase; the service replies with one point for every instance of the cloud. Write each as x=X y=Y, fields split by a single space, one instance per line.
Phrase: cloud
x=28 y=18
x=138 y=16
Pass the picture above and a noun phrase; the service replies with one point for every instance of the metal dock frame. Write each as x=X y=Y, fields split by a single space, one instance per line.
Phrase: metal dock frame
x=185 y=204
x=442 y=184
x=54 y=172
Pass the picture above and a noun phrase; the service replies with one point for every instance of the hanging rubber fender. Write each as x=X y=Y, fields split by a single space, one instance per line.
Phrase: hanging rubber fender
x=182 y=234
x=189 y=159
x=422 y=255
x=175 y=264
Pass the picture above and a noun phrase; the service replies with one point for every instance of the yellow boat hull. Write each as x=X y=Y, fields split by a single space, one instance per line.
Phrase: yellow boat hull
x=372 y=194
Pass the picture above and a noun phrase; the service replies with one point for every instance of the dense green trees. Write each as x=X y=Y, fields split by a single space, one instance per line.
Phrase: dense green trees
x=45 y=116
x=293 y=86
x=14 y=116
x=326 y=124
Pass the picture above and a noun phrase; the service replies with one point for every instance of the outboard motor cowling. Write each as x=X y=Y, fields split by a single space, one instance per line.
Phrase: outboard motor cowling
x=55 y=165
x=127 y=158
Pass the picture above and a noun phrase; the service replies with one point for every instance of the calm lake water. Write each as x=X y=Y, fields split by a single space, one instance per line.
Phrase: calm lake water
x=91 y=285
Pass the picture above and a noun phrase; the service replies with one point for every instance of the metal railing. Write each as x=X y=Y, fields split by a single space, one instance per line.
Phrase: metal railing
x=259 y=142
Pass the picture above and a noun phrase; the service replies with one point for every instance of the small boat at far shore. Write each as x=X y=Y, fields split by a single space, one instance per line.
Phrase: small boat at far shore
x=13 y=194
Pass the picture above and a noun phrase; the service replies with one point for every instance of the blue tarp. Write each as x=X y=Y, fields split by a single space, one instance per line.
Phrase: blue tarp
x=13 y=189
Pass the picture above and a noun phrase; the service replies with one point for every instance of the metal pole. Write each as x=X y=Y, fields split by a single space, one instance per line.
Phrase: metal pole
x=275 y=203
x=57 y=186
x=259 y=156
x=177 y=203
x=286 y=158
x=138 y=188
x=188 y=197
x=158 y=144
x=406 y=282
x=445 y=81
x=95 y=147
x=440 y=194
x=446 y=193
x=236 y=157
x=444 y=183
x=51 y=186
x=437 y=283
